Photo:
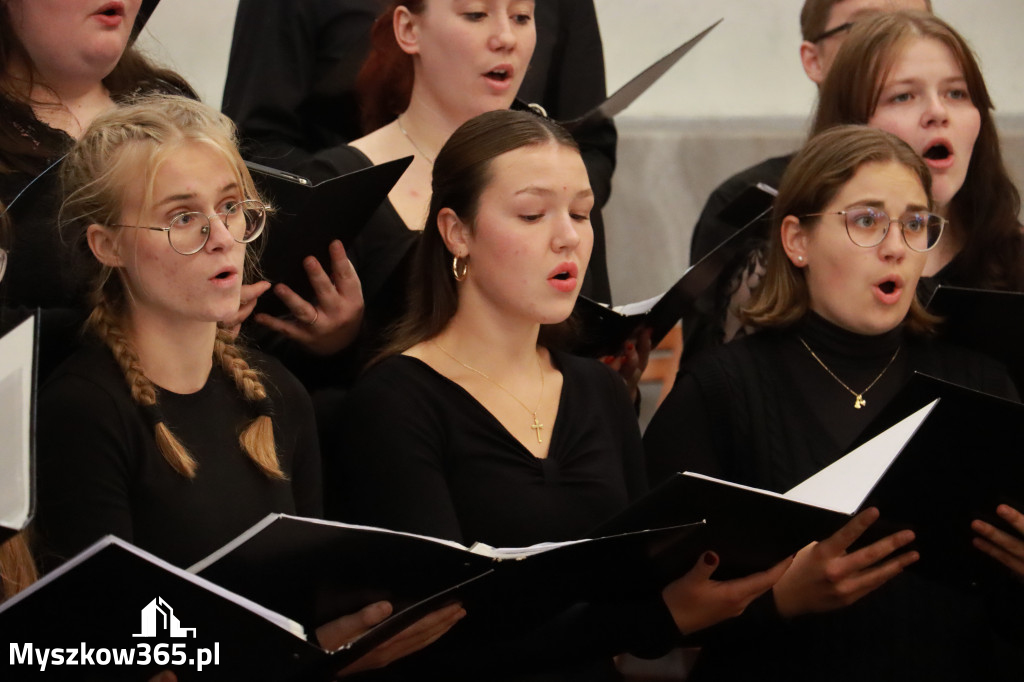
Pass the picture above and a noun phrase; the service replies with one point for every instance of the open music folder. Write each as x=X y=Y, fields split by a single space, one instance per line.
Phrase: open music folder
x=308 y=217
x=18 y=360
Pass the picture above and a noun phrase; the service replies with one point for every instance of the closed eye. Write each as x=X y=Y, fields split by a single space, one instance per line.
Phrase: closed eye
x=475 y=16
x=531 y=217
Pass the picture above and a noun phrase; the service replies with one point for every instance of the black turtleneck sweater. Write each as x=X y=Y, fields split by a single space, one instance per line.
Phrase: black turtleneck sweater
x=763 y=412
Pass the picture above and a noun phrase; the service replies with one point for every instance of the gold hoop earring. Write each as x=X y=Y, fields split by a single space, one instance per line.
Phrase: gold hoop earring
x=456 y=272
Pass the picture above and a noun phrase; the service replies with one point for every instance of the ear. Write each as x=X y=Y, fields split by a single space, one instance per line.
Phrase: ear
x=105 y=245
x=810 y=57
x=454 y=232
x=406 y=27
x=794 y=240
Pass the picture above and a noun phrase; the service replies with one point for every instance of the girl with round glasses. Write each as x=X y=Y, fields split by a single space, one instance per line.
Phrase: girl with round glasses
x=913 y=75
x=840 y=332
x=163 y=430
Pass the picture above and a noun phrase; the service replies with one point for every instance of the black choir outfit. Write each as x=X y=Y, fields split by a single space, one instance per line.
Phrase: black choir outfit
x=762 y=412
x=418 y=453
x=100 y=471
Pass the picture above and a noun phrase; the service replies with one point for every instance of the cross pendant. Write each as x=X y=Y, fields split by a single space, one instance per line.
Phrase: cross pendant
x=859 y=402
x=537 y=426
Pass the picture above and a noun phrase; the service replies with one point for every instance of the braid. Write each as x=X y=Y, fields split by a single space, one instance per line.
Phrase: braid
x=258 y=438
x=104 y=323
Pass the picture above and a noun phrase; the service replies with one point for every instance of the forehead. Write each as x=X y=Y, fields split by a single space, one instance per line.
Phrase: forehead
x=549 y=163
x=848 y=10
x=923 y=54
x=889 y=182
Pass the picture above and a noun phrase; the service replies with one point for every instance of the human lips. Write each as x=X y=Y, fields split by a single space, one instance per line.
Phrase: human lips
x=501 y=76
x=564 y=277
x=111 y=14
x=225 y=276
x=938 y=154
x=888 y=290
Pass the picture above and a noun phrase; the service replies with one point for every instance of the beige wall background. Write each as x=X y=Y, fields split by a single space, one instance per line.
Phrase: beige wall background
x=739 y=97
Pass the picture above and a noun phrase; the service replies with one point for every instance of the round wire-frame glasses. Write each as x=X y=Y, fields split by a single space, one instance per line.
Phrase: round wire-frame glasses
x=867 y=226
x=189 y=232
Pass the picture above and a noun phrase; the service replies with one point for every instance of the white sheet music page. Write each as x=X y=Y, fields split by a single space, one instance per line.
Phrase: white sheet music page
x=16 y=353
x=843 y=485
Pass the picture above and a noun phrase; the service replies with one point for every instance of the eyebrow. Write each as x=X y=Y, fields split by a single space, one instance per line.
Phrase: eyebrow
x=191 y=195
x=875 y=203
x=535 y=189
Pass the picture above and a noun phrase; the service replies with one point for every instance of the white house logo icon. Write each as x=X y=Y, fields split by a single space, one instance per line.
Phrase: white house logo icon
x=158 y=617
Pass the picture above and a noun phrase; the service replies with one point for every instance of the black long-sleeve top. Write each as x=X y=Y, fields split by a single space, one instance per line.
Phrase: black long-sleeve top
x=100 y=471
x=420 y=454
x=762 y=412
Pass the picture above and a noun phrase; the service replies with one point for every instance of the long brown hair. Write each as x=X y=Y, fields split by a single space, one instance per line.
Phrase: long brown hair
x=987 y=205
x=129 y=142
x=814 y=177
x=462 y=171
x=384 y=83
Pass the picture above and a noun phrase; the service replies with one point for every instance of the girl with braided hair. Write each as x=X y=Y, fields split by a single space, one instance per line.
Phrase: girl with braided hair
x=165 y=431
x=166 y=412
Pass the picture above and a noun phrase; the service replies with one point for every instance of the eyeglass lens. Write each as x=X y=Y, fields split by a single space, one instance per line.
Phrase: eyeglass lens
x=190 y=231
x=868 y=226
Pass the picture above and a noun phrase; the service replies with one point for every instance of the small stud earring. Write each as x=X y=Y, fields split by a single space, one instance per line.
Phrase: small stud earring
x=800 y=258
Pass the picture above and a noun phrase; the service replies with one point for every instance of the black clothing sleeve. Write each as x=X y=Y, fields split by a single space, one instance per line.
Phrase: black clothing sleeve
x=290 y=84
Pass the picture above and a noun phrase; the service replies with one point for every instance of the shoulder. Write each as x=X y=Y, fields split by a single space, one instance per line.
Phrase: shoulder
x=335 y=161
x=963 y=366
x=92 y=368
x=279 y=378
x=398 y=377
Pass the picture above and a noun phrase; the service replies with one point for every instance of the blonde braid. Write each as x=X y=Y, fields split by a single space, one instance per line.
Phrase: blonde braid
x=258 y=438
x=17 y=569
x=104 y=323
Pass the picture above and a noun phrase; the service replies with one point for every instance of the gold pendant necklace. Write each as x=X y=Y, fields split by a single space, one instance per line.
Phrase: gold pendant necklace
x=413 y=142
x=536 y=425
x=858 y=398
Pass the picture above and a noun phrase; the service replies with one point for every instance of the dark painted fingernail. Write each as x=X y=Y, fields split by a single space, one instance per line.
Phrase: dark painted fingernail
x=710 y=559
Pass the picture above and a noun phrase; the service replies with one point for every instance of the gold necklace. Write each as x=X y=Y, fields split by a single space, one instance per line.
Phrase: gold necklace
x=536 y=425
x=858 y=401
x=413 y=142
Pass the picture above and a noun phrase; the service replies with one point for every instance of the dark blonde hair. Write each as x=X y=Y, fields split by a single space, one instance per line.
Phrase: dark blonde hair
x=17 y=569
x=462 y=171
x=987 y=205
x=813 y=179
x=132 y=142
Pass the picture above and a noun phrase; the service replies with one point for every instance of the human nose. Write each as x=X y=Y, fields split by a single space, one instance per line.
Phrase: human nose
x=503 y=38
x=567 y=234
x=893 y=245
x=218 y=236
x=935 y=110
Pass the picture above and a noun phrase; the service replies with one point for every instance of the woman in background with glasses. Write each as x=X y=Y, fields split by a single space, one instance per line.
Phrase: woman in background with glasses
x=165 y=431
x=841 y=331
x=913 y=75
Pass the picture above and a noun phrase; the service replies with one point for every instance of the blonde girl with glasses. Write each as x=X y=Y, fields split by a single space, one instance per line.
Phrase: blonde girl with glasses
x=166 y=431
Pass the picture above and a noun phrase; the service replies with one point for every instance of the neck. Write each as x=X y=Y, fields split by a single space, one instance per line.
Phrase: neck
x=68 y=104
x=949 y=244
x=428 y=122
x=175 y=356
x=496 y=346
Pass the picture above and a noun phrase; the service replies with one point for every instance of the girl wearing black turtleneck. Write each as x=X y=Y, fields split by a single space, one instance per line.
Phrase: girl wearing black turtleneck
x=841 y=334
